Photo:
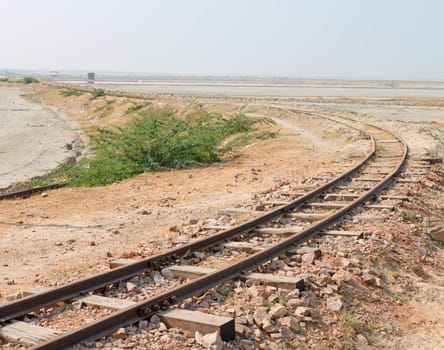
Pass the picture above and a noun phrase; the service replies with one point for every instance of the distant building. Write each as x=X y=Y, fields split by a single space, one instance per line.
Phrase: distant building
x=91 y=78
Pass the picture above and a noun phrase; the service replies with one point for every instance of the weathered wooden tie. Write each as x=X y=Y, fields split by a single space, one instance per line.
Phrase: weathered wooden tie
x=343 y=196
x=239 y=211
x=254 y=247
x=192 y=321
x=381 y=165
x=280 y=230
x=380 y=206
x=327 y=205
x=246 y=246
x=275 y=203
x=362 y=187
x=420 y=166
x=369 y=218
x=380 y=173
x=401 y=198
x=27 y=333
x=217 y=227
x=416 y=172
x=104 y=302
x=408 y=181
x=264 y=230
x=388 y=141
x=304 y=250
x=278 y=281
x=120 y=262
x=191 y=272
x=429 y=159
x=367 y=179
x=358 y=234
x=308 y=216
x=387 y=156
x=351 y=196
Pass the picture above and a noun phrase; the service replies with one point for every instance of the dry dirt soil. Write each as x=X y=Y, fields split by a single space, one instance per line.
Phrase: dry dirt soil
x=73 y=232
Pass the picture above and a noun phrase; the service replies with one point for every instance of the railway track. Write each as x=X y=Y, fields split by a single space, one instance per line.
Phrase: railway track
x=303 y=218
x=29 y=192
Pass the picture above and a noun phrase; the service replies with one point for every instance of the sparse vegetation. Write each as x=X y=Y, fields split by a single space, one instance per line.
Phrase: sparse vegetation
x=227 y=251
x=408 y=216
x=439 y=244
x=283 y=300
x=245 y=139
x=137 y=107
x=105 y=109
x=27 y=80
x=350 y=325
x=71 y=92
x=152 y=142
x=97 y=93
x=379 y=148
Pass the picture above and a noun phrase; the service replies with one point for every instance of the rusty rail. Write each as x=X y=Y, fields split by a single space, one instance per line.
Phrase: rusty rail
x=23 y=306
x=29 y=192
x=146 y=308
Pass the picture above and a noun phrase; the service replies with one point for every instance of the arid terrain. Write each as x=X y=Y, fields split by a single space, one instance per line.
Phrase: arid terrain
x=32 y=137
x=69 y=233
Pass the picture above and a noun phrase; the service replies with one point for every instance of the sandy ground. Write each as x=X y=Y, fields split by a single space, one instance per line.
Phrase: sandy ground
x=264 y=87
x=73 y=232
x=425 y=318
x=32 y=137
x=417 y=114
x=275 y=91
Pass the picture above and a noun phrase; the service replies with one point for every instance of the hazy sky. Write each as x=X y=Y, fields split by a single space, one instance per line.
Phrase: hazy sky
x=373 y=39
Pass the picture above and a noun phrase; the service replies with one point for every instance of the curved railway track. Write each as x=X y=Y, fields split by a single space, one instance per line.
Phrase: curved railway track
x=390 y=157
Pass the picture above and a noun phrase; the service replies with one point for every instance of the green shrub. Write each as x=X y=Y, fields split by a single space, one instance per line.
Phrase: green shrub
x=152 y=142
x=4 y=80
x=408 y=216
x=97 y=93
x=71 y=92
x=137 y=107
x=27 y=80
x=105 y=109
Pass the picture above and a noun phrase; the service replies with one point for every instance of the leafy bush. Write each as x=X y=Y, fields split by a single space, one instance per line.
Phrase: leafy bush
x=4 y=80
x=137 y=107
x=27 y=80
x=71 y=92
x=152 y=142
x=97 y=93
x=408 y=216
x=105 y=109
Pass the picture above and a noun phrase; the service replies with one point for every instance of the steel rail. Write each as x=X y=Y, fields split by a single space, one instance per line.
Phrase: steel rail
x=148 y=307
x=29 y=192
x=21 y=307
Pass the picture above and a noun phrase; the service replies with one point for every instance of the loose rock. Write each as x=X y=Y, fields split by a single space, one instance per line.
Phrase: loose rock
x=211 y=341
